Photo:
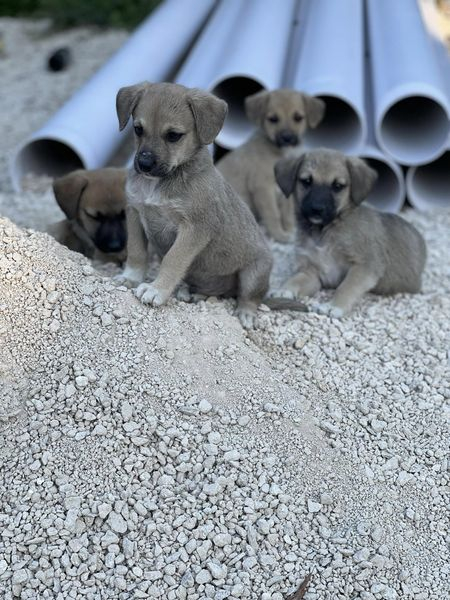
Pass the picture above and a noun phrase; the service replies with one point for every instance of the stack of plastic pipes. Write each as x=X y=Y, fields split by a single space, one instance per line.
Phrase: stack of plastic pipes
x=373 y=62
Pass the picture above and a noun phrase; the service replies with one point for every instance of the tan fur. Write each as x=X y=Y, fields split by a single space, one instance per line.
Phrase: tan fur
x=249 y=168
x=360 y=250
x=182 y=208
x=92 y=200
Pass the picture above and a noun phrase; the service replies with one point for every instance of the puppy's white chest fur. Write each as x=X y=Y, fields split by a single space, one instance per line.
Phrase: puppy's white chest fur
x=143 y=192
x=331 y=267
x=291 y=151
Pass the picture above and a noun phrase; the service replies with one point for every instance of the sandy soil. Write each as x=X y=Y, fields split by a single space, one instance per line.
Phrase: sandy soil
x=169 y=454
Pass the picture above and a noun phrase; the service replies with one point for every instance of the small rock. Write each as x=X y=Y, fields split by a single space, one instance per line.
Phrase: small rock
x=314 y=507
x=222 y=539
x=117 y=523
x=203 y=576
x=205 y=406
x=218 y=571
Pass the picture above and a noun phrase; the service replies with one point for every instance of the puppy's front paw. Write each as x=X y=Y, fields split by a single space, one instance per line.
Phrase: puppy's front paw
x=149 y=294
x=247 y=317
x=326 y=308
x=283 y=293
x=183 y=294
x=129 y=278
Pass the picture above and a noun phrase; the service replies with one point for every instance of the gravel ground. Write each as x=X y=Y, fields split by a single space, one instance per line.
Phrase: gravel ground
x=169 y=454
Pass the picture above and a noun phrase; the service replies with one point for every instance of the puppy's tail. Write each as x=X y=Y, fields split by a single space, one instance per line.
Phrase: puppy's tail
x=285 y=304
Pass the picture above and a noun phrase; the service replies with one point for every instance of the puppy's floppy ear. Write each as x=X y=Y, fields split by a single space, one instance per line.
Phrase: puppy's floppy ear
x=68 y=191
x=315 y=110
x=256 y=106
x=126 y=101
x=286 y=171
x=362 y=178
x=209 y=114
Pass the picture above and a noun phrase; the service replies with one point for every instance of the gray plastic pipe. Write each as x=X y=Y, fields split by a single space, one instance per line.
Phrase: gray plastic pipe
x=241 y=51
x=411 y=107
x=388 y=194
x=331 y=66
x=84 y=132
x=428 y=185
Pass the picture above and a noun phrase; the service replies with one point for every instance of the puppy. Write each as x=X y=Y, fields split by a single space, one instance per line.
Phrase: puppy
x=94 y=203
x=343 y=245
x=282 y=117
x=181 y=207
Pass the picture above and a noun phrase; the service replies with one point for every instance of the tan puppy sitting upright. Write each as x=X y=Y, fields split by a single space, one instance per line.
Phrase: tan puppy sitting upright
x=282 y=117
x=94 y=204
x=181 y=207
x=343 y=245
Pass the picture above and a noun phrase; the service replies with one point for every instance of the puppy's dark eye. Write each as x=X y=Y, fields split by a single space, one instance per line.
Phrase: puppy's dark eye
x=173 y=136
x=122 y=214
x=138 y=130
x=337 y=186
x=273 y=118
x=306 y=181
x=298 y=117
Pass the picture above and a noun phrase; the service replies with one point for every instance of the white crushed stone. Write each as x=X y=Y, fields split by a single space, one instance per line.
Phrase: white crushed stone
x=169 y=454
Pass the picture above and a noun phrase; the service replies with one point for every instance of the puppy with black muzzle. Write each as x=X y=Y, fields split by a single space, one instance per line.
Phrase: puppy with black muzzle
x=179 y=205
x=343 y=245
x=282 y=117
x=94 y=204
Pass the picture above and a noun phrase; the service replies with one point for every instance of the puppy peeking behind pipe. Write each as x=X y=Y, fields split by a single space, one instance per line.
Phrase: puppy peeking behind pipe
x=282 y=117
x=180 y=206
x=94 y=204
x=343 y=245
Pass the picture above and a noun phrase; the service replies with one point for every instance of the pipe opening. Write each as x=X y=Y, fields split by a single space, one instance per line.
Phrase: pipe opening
x=387 y=194
x=340 y=129
x=414 y=129
x=237 y=127
x=46 y=157
x=429 y=185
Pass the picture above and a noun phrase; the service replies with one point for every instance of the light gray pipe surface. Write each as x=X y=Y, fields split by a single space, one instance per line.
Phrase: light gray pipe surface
x=331 y=66
x=241 y=51
x=84 y=132
x=409 y=94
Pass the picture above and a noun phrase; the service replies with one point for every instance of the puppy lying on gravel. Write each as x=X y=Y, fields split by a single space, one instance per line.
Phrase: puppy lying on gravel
x=180 y=206
x=343 y=245
x=282 y=117
x=94 y=204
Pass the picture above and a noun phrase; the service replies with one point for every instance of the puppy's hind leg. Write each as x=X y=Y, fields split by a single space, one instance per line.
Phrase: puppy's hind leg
x=253 y=283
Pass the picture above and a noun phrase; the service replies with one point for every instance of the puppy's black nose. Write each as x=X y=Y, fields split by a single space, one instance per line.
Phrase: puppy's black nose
x=287 y=138
x=146 y=161
x=113 y=244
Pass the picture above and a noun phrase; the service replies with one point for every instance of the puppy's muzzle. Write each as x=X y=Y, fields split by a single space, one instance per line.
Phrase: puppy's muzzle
x=318 y=206
x=146 y=161
x=286 y=138
x=111 y=236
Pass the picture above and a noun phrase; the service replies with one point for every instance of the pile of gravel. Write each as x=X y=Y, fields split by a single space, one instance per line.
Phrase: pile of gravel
x=169 y=454
x=166 y=454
